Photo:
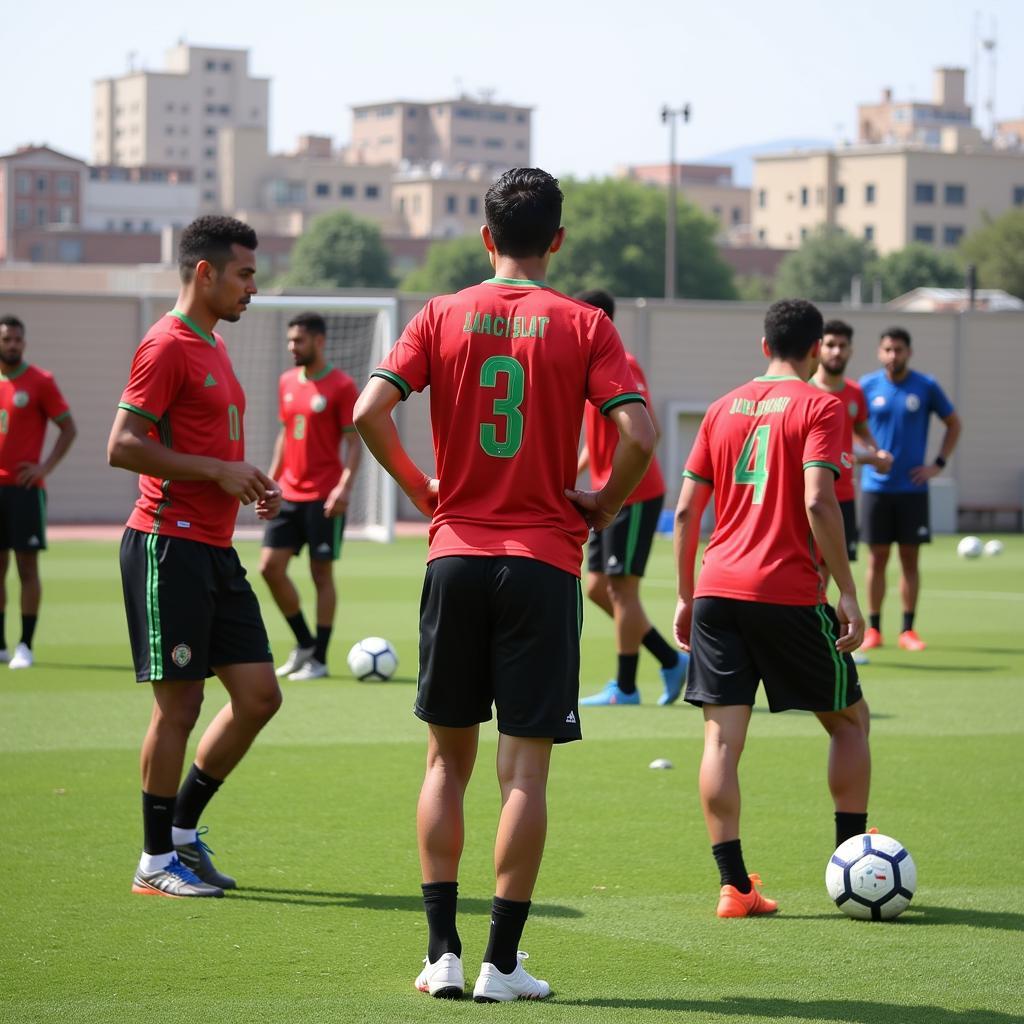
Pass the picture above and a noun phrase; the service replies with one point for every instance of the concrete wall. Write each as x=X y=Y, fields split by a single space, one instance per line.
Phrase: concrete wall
x=692 y=353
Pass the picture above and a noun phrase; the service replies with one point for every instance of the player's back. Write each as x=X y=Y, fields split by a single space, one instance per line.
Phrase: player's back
x=510 y=365
x=753 y=447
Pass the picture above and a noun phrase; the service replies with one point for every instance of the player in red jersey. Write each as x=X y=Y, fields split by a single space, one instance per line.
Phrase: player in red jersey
x=836 y=349
x=29 y=400
x=770 y=451
x=618 y=555
x=510 y=364
x=191 y=611
x=315 y=403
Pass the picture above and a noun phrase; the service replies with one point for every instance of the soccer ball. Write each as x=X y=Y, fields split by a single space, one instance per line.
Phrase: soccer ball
x=373 y=658
x=969 y=547
x=871 y=877
x=993 y=547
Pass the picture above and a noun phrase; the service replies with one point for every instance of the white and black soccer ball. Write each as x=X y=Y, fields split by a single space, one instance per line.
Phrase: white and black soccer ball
x=993 y=547
x=871 y=877
x=373 y=658
x=969 y=547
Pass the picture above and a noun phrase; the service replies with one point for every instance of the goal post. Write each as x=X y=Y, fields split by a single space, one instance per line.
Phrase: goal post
x=360 y=331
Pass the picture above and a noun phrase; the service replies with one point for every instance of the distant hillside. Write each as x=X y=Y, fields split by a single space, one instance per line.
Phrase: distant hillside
x=742 y=158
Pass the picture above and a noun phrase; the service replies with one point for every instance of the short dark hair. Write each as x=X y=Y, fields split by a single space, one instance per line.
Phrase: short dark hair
x=12 y=321
x=210 y=238
x=600 y=298
x=314 y=323
x=791 y=327
x=523 y=209
x=839 y=327
x=897 y=334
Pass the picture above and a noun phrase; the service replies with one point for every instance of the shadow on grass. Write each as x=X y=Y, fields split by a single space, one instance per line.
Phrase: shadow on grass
x=896 y=667
x=915 y=916
x=380 y=682
x=81 y=667
x=986 y=650
x=853 y=1011
x=381 y=901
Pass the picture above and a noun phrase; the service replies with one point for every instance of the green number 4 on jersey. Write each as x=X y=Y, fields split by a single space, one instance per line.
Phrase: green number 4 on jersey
x=755 y=449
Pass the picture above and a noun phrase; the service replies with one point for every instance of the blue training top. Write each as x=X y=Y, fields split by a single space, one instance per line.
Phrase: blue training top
x=899 y=414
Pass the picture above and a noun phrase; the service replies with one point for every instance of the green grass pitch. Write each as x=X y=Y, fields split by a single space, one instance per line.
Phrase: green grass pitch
x=317 y=824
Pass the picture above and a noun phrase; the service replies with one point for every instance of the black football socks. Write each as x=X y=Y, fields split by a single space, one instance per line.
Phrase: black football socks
x=626 y=676
x=323 y=638
x=157 y=816
x=908 y=621
x=849 y=825
x=729 y=858
x=659 y=647
x=303 y=637
x=196 y=792
x=508 y=919
x=440 y=900
x=28 y=629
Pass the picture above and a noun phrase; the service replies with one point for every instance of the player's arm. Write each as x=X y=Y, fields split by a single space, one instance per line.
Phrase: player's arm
x=826 y=522
x=869 y=453
x=954 y=427
x=337 y=501
x=632 y=456
x=32 y=473
x=375 y=423
x=693 y=500
x=130 y=447
x=277 y=459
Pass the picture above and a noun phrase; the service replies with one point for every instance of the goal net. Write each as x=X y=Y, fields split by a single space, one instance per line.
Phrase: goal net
x=359 y=332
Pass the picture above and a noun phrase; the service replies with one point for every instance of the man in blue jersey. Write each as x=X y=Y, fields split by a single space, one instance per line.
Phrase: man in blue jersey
x=895 y=505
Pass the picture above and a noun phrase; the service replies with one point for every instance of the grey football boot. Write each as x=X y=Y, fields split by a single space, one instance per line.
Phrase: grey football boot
x=196 y=857
x=175 y=880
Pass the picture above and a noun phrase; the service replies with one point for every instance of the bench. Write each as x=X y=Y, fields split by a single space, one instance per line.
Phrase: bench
x=983 y=517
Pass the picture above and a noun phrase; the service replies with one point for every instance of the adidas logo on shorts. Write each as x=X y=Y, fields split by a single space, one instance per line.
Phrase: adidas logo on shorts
x=570 y=719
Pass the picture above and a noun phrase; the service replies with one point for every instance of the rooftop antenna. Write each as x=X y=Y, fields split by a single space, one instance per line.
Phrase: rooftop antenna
x=132 y=54
x=990 y=104
x=487 y=95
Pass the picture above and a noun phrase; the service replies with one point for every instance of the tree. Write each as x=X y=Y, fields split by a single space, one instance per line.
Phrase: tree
x=615 y=239
x=822 y=268
x=997 y=250
x=916 y=266
x=450 y=266
x=339 y=250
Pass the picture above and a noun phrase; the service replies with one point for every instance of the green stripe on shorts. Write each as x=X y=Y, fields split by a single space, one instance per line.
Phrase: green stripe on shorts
x=839 y=665
x=156 y=658
x=633 y=535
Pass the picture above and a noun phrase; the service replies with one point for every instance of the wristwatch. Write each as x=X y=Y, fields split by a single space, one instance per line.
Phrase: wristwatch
x=940 y=462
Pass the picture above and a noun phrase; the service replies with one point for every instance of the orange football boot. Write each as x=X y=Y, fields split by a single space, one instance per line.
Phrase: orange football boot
x=733 y=903
x=910 y=641
x=872 y=638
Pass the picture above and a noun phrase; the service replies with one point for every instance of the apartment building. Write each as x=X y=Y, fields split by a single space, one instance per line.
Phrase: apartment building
x=436 y=202
x=172 y=118
x=456 y=132
x=920 y=121
x=142 y=200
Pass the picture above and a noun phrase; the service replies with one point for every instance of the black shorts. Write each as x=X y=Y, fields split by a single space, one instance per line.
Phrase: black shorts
x=22 y=518
x=190 y=608
x=849 y=510
x=304 y=522
x=623 y=548
x=900 y=518
x=505 y=631
x=790 y=648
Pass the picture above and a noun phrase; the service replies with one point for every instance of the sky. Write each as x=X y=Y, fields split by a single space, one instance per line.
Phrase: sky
x=597 y=73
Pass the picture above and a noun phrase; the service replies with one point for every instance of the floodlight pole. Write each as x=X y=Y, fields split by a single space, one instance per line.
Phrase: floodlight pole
x=668 y=116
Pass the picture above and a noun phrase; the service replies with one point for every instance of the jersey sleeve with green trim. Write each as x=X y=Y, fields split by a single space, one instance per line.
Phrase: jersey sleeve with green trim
x=699 y=465
x=52 y=401
x=823 y=442
x=156 y=377
x=610 y=381
x=407 y=365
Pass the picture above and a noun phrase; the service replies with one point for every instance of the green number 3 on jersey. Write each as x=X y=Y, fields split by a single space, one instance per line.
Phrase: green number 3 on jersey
x=755 y=449
x=508 y=407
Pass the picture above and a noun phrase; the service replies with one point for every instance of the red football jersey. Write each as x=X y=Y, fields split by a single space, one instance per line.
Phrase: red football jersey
x=182 y=380
x=856 y=406
x=510 y=365
x=315 y=412
x=602 y=437
x=29 y=399
x=753 y=447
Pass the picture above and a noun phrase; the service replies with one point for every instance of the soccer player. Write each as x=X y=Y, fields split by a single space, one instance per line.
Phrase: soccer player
x=618 y=555
x=901 y=403
x=510 y=364
x=29 y=400
x=770 y=451
x=191 y=611
x=315 y=403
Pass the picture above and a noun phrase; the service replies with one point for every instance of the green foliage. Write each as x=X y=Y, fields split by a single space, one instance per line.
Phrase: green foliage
x=450 y=266
x=916 y=266
x=615 y=239
x=822 y=268
x=339 y=250
x=754 y=288
x=997 y=250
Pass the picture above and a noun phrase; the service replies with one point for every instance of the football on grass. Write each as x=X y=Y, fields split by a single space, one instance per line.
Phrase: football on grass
x=871 y=877
x=373 y=659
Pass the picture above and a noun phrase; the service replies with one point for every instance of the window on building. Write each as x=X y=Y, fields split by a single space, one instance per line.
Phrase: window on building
x=951 y=234
x=869 y=194
x=521 y=118
x=211 y=108
x=494 y=143
x=168 y=129
x=211 y=65
x=209 y=196
x=465 y=140
x=804 y=196
x=371 y=192
x=65 y=214
x=225 y=65
x=412 y=111
x=322 y=188
x=209 y=130
x=24 y=183
x=209 y=175
x=924 y=233
x=42 y=183
x=401 y=204
x=42 y=216
x=840 y=195
x=36 y=253
x=224 y=109
x=168 y=107
x=762 y=198
x=760 y=234
x=126 y=225
x=869 y=232
x=146 y=227
x=924 y=192
x=1018 y=195
x=346 y=191
x=209 y=152
x=451 y=204
x=955 y=195
x=803 y=234
x=24 y=215
x=472 y=204
x=64 y=184
x=737 y=215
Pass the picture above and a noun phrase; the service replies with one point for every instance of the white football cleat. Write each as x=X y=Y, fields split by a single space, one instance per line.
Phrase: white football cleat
x=295 y=660
x=313 y=669
x=442 y=979
x=494 y=987
x=22 y=657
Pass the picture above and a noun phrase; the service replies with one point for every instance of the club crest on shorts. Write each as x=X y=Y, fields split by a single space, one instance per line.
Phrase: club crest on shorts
x=20 y=399
x=318 y=403
x=181 y=655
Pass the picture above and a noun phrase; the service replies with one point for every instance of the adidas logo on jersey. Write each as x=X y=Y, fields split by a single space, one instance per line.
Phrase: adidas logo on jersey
x=209 y=382
x=570 y=719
